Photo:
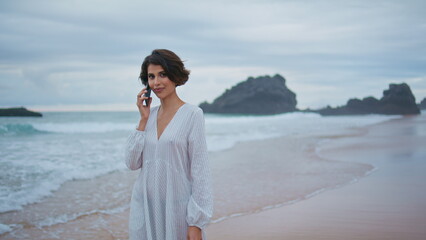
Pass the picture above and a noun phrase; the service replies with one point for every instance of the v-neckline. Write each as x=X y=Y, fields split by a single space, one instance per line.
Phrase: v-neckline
x=167 y=125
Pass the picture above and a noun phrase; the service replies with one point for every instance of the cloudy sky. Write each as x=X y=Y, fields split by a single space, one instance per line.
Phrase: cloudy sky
x=87 y=54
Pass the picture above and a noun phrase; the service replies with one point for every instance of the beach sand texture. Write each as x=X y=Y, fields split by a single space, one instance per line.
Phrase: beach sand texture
x=363 y=184
x=388 y=204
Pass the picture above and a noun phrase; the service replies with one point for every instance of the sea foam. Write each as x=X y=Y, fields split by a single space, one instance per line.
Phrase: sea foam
x=39 y=155
x=4 y=228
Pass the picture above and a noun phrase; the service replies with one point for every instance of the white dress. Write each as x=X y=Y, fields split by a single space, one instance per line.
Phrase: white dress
x=173 y=189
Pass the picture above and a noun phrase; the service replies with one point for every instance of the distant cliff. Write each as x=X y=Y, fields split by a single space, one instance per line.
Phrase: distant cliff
x=422 y=104
x=18 y=112
x=261 y=95
x=397 y=100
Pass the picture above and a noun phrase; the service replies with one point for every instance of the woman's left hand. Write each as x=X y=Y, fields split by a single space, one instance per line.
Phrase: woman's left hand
x=194 y=233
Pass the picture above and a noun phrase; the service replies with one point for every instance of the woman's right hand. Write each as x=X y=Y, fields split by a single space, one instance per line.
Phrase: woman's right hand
x=143 y=110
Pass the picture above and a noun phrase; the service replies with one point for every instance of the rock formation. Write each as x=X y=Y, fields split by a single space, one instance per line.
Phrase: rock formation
x=261 y=95
x=18 y=112
x=422 y=104
x=398 y=99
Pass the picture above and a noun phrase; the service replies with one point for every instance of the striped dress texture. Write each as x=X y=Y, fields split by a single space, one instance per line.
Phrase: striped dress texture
x=173 y=188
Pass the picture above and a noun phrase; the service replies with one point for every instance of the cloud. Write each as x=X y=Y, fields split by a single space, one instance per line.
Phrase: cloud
x=89 y=52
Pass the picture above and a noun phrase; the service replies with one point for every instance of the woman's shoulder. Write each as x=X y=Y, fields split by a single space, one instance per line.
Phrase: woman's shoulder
x=193 y=108
x=155 y=108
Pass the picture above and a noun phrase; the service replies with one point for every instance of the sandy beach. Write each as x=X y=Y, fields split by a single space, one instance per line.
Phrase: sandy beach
x=361 y=184
x=390 y=203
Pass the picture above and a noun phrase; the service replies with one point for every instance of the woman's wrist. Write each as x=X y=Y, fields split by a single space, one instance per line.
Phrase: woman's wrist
x=141 y=125
x=195 y=228
x=194 y=233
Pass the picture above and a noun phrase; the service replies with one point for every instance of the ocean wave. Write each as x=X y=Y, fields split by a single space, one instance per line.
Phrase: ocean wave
x=4 y=228
x=64 y=218
x=11 y=129
x=84 y=127
x=224 y=119
x=33 y=191
x=61 y=158
x=223 y=131
x=15 y=200
x=18 y=129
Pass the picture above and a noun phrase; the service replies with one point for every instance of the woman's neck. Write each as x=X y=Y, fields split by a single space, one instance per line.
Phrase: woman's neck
x=171 y=103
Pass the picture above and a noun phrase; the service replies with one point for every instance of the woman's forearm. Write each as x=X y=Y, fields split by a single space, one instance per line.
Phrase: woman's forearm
x=133 y=149
x=142 y=124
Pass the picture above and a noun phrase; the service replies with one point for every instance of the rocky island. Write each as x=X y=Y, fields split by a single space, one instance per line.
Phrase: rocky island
x=18 y=112
x=422 y=104
x=269 y=95
x=260 y=96
x=398 y=99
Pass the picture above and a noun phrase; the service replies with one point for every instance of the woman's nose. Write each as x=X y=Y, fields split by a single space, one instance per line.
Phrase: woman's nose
x=155 y=80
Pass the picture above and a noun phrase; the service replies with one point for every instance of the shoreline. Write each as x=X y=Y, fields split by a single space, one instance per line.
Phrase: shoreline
x=387 y=204
x=99 y=223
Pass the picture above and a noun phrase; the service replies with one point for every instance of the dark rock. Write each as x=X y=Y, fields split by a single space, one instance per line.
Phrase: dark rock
x=18 y=112
x=364 y=106
x=422 y=104
x=354 y=106
x=261 y=95
x=398 y=99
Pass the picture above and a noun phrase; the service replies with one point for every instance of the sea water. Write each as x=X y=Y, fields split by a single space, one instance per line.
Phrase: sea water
x=38 y=155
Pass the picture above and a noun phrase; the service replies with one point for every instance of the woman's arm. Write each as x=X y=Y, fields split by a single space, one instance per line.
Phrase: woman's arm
x=200 y=205
x=133 y=150
x=136 y=140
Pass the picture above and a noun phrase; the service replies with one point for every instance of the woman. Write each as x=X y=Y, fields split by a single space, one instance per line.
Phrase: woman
x=171 y=197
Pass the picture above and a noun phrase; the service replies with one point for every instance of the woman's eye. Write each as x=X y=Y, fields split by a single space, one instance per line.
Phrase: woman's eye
x=151 y=76
x=163 y=75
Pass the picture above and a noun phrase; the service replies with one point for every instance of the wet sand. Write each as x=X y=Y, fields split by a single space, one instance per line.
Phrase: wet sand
x=271 y=189
x=390 y=203
x=248 y=178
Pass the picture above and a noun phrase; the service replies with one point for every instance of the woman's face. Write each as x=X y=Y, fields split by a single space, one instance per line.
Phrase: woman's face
x=159 y=82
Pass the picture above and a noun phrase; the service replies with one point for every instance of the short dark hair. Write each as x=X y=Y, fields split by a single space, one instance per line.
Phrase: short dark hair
x=171 y=63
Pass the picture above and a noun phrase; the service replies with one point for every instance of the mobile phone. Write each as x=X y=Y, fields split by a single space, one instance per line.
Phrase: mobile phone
x=147 y=94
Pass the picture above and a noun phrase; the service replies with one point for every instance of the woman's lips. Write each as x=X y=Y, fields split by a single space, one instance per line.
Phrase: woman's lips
x=157 y=90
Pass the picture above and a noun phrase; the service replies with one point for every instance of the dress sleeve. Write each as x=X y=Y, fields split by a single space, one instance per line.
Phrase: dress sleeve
x=133 y=150
x=200 y=205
